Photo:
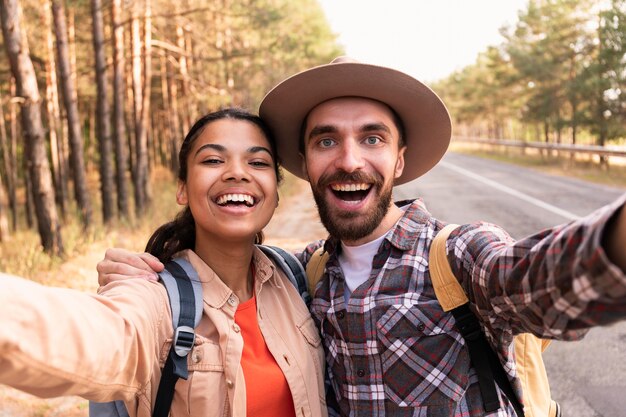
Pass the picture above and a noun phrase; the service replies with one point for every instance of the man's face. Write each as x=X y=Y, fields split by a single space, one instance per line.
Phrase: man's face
x=352 y=158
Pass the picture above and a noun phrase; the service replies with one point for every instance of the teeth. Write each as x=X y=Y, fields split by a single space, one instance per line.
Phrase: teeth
x=235 y=198
x=350 y=187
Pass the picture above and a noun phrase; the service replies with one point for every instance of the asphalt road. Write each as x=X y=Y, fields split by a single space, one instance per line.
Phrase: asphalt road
x=588 y=378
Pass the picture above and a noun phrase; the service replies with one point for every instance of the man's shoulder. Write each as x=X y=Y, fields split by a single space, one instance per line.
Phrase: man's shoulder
x=305 y=255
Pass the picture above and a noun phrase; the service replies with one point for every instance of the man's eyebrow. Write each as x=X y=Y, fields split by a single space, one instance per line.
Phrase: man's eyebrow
x=322 y=129
x=373 y=127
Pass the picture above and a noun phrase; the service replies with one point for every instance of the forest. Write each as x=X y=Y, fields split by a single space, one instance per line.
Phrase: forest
x=102 y=91
x=559 y=76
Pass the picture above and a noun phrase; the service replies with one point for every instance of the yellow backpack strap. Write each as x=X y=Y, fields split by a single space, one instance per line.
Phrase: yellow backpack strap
x=447 y=288
x=315 y=268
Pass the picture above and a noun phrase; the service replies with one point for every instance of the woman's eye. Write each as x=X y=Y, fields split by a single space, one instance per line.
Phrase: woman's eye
x=372 y=140
x=211 y=161
x=260 y=164
x=325 y=143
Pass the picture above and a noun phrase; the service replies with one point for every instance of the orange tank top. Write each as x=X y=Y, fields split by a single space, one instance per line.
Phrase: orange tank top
x=267 y=392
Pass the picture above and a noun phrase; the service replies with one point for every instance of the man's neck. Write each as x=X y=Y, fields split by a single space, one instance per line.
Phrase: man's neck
x=391 y=218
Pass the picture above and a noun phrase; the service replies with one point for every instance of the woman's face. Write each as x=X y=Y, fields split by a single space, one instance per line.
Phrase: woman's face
x=231 y=185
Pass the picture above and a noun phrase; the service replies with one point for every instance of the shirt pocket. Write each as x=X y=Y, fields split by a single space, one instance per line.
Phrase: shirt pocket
x=311 y=335
x=424 y=361
x=204 y=391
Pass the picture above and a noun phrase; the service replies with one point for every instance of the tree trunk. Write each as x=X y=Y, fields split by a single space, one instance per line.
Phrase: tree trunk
x=8 y=164
x=141 y=100
x=102 y=115
x=73 y=123
x=28 y=195
x=52 y=110
x=4 y=222
x=142 y=141
x=13 y=140
x=175 y=126
x=119 y=122
x=22 y=68
x=130 y=115
x=90 y=150
x=184 y=74
x=140 y=134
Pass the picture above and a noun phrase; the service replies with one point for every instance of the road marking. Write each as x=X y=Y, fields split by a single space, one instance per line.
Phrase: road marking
x=542 y=204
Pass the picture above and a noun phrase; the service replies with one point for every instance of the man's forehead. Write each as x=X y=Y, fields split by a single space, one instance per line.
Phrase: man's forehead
x=344 y=108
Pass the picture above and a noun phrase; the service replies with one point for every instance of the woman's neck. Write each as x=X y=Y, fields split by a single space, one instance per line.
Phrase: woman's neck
x=232 y=262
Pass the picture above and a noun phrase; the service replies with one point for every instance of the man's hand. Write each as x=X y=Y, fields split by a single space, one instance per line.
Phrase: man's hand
x=615 y=239
x=121 y=264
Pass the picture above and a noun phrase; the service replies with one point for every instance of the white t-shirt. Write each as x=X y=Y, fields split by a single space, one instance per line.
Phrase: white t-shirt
x=356 y=263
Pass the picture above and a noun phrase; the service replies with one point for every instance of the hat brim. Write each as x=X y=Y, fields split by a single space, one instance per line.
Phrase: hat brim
x=426 y=120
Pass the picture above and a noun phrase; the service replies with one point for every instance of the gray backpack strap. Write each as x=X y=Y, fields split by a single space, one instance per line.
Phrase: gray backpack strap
x=184 y=291
x=291 y=266
x=174 y=294
x=110 y=409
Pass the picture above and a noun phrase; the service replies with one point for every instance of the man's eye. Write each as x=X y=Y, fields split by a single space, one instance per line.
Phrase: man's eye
x=372 y=140
x=211 y=161
x=325 y=143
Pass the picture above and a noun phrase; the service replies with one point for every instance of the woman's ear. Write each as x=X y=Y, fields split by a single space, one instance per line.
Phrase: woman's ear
x=181 y=194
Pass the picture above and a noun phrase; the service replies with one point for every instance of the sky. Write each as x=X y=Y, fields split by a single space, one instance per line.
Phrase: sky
x=428 y=39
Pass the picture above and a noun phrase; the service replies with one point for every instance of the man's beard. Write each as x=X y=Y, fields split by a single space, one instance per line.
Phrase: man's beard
x=345 y=225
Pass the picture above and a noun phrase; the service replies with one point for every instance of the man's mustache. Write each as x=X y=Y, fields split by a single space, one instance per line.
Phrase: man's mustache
x=353 y=177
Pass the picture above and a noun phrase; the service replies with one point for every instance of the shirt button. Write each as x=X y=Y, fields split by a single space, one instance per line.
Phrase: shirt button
x=421 y=327
x=341 y=315
x=236 y=328
x=231 y=300
x=360 y=373
x=229 y=383
x=196 y=357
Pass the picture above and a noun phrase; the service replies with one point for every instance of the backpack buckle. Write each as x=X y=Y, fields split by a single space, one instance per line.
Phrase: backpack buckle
x=184 y=336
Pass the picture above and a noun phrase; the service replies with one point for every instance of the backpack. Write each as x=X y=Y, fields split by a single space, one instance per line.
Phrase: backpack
x=528 y=348
x=184 y=292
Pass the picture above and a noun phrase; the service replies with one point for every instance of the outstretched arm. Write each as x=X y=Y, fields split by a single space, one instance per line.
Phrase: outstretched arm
x=614 y=240
x=121 y=264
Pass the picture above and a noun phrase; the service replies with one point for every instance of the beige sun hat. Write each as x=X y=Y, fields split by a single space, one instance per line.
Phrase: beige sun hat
x=426 y=120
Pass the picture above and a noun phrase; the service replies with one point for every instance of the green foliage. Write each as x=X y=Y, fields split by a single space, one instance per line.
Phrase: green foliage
x=558 y=76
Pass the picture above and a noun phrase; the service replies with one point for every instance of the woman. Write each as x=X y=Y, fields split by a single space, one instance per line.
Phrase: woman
x=257 y=351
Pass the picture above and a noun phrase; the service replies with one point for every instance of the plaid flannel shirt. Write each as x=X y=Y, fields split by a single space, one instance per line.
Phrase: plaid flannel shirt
x=392 y=350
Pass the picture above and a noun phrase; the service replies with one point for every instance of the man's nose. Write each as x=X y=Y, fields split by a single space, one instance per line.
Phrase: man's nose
x=350 y=158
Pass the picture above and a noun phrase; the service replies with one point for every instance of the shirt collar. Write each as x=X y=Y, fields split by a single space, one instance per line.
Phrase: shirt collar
x=405 y=232
x=214 y=292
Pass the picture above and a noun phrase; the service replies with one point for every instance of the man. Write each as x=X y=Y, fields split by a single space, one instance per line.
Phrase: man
x=354 y=131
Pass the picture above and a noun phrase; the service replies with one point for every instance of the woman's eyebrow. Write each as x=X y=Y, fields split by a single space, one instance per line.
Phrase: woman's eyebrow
x=255 y=149
x=214 y=146
x=222 y=148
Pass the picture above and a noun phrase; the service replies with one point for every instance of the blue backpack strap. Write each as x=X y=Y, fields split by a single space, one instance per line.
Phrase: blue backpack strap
x=185 y=295
x=292 y=268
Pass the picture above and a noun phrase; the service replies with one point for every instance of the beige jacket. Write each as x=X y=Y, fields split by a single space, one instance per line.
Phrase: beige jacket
x=56 y=342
